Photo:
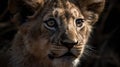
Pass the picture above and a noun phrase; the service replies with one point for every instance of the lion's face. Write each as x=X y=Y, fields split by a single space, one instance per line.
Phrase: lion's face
x=57 y=36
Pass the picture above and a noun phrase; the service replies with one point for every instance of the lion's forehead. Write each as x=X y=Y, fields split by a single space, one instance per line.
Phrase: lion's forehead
x=62 y=11
x=66 y=9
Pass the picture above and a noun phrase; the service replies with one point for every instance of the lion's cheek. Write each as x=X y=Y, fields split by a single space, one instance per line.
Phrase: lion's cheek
x=39 y=48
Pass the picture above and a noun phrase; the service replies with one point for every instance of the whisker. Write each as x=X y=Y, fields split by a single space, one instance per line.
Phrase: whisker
x=88 y=51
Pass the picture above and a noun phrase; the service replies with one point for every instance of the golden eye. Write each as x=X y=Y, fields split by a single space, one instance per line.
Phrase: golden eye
x=79 y=22
x=51 y=22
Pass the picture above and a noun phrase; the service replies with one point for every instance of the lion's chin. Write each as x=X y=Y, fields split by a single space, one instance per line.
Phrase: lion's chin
x=66 y=61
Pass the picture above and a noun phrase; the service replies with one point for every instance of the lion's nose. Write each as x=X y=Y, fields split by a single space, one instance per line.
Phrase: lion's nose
x=68 y=43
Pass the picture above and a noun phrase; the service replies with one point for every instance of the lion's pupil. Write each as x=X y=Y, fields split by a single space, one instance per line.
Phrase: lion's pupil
x=51 y=23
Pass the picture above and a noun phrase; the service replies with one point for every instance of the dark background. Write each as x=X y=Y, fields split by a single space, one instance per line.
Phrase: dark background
x=105 y=39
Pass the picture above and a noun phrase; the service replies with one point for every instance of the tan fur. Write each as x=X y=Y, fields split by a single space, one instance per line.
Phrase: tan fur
x=35 y=41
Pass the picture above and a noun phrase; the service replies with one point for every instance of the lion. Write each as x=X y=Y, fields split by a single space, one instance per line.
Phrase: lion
x=56 y=35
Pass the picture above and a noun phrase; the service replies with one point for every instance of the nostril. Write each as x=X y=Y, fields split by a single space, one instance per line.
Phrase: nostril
x=68 y=44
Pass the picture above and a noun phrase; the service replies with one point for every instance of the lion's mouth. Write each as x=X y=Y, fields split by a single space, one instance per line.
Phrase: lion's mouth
x=66 y=55
x=61 y=52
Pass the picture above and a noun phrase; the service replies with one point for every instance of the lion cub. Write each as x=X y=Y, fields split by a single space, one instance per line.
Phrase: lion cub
x=57 y=34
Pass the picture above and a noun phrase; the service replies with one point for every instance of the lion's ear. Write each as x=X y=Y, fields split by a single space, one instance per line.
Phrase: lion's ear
x=92 y=9
x=96 y=6
x=20 y=9
x=92 y=5
x=23 y=5
x=34 y=3
x=30 y=3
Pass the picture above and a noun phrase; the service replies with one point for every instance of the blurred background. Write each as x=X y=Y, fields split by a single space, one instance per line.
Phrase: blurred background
x=104 y=41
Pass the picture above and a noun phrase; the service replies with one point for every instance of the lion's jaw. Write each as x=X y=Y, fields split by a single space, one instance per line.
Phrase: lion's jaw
x=62 y=57
x=65 y=62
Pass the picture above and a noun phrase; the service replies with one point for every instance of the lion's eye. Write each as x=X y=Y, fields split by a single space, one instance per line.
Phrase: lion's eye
x=51 y=22
x=79 y=22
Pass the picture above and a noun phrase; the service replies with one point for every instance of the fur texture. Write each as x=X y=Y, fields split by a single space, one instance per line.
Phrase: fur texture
x=56 y=34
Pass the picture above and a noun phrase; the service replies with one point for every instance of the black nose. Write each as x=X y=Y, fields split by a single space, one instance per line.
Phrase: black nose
x=68 y=43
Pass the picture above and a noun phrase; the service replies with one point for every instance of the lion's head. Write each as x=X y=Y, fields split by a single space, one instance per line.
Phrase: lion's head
x=57 y=34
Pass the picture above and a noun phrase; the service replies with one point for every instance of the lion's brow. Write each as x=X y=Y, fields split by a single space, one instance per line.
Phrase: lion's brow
x=67 y=14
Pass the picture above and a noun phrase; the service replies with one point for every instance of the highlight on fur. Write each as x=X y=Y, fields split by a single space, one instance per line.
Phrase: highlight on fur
x=55 y=32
